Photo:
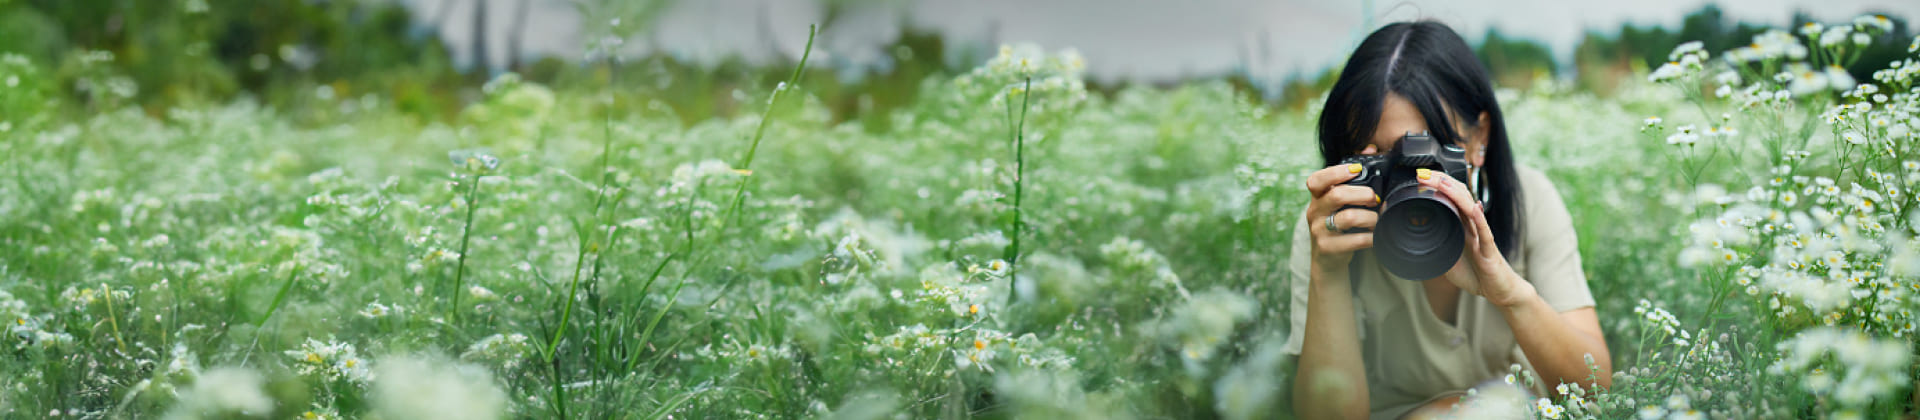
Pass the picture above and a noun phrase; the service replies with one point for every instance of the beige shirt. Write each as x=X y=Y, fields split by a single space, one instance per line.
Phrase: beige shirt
x=1412 y=356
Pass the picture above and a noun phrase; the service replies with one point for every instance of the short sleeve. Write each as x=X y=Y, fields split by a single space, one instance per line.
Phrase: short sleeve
x=1552 y=247
x=1298 y=265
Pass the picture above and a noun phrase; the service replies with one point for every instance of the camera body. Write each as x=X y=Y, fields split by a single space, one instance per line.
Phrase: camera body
x=1419 y=235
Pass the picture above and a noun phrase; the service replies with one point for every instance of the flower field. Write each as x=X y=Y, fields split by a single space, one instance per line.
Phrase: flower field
x=1009 y=245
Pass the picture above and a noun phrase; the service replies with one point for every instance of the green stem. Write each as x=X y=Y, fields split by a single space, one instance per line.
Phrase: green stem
x=746 y=165
x=115 y=320
x=1019 y=176
x=586 y=239
x=466 y=234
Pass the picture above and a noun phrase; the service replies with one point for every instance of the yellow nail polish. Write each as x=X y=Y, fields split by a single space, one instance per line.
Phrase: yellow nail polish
x=1424 y=173
x=1376 y=199
x=1353 y=168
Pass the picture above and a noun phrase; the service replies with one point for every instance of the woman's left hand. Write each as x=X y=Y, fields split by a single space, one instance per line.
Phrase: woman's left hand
x=1482 y=269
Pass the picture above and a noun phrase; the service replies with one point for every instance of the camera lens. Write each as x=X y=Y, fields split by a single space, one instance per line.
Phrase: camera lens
x=1419 y=236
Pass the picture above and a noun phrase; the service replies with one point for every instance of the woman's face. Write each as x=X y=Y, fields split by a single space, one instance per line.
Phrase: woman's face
x=1398 y=117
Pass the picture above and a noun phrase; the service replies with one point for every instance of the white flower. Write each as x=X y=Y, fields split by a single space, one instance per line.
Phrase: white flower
x=1686 y=135
x=1853 y=137
x=1835 y=35
x=1669 y=71
x=1727 y=78
x=224 y=392
x=418 y=388
x=480 y=293
x=1684 y=49
x=1873 y=21
x=1678 y=402
x=1806 y=82
x=375 y=310
x=1548 y=409
x=1812 y=29
x=1652 y=412
x=1838 y=78
x=331 y=359
x=1775 y=43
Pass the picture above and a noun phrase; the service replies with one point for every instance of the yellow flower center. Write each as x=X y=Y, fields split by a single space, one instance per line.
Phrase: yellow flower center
x=314 y=357
x=979 y=345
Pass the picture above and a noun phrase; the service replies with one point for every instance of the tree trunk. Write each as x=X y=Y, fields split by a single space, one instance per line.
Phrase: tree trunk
x=480 y=61
x=519 y=32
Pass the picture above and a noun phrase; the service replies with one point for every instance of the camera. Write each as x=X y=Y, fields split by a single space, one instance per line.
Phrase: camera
x=1419 y=235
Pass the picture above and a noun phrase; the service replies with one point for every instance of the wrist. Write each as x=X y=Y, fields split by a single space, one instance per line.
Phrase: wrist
x=1518 y=293
x=1329 y=273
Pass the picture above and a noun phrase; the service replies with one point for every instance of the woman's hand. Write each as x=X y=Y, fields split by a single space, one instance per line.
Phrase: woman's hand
x=1333 y=249
x=1482 y=269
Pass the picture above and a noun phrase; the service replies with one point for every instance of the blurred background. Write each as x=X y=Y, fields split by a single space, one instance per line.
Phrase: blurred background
x=431 y=56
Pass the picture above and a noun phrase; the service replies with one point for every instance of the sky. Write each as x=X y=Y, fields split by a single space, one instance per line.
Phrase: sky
x=1132 y=40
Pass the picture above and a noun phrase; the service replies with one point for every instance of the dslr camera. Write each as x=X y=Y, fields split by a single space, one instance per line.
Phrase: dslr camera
x=1419 y=235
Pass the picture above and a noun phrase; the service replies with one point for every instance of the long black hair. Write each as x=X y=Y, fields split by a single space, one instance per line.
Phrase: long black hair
x=1430 y=65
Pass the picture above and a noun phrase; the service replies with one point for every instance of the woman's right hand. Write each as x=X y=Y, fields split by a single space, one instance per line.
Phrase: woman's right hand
x=1331 y=249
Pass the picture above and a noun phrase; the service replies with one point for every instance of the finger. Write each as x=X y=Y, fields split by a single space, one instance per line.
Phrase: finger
x=1326 y=178
x=1471 y=211
x=1344 y=243
x=1342 y=196
x=1355 y=219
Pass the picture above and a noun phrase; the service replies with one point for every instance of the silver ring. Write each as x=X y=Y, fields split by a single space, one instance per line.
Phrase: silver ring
x=1331 y=228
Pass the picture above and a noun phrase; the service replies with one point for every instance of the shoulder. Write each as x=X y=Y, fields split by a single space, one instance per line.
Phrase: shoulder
x=1533 y=180
x=1538 y=195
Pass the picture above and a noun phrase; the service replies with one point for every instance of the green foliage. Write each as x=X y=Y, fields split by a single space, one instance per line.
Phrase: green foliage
x=613 y=253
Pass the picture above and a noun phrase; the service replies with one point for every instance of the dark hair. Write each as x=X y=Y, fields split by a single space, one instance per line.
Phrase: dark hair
x=1431 y=66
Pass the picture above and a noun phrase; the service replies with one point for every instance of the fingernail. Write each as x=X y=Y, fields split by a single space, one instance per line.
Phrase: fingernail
x=1424 y=173
x=1353 y=168
x=1376 y=199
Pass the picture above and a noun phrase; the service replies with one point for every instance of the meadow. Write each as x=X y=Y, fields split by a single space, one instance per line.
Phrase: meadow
x=1009 y=245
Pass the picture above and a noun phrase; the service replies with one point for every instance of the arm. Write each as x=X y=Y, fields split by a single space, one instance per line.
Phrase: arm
x=1557 y=342
x=1332 y=380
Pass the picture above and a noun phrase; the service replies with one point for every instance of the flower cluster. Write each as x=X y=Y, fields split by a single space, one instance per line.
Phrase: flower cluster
x=1685 y=60
x=330 y=360
x=1197 y=328
x=965 y=295
x=1851 y=366
x=972 y=348
x=507 y=350
x=25 y=329
x=1131 y=256
x=734 y=351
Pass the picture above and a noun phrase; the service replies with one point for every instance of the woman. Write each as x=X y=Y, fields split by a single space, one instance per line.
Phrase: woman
x=1373 y=345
